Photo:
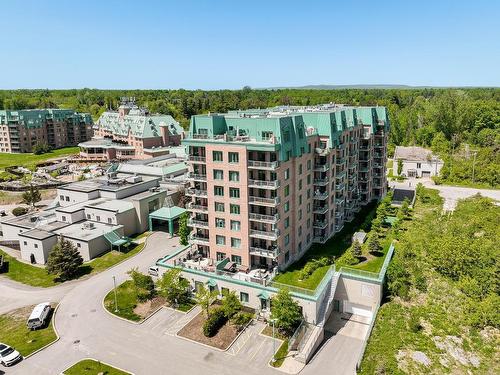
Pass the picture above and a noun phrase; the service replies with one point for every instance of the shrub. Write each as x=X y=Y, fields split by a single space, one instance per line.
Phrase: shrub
x=214 y=322
x=41 y=148
x=347 y=259
x=241 y=319
x=313 y=265
x=18 y=211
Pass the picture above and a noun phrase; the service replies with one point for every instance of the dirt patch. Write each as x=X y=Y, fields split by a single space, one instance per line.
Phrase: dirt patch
x=145 y=309
x=194 y=331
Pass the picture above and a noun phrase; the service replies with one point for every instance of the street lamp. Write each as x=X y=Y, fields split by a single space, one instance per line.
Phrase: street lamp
x=116 y=299
x=273 y=360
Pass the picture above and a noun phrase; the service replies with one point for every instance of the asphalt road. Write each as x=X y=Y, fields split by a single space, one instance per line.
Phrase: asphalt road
x=87 y=330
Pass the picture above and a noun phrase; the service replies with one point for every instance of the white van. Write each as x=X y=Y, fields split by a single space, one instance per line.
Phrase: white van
x=39 y=315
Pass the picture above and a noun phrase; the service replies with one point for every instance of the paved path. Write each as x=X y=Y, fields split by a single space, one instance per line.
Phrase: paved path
x=87 y=330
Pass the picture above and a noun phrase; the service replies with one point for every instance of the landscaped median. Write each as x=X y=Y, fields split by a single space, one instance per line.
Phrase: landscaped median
x=14 y=332
x=93 y=367
x=37 y=276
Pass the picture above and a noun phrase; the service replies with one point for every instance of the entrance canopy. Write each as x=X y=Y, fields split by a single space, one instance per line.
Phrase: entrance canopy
x=168 y=214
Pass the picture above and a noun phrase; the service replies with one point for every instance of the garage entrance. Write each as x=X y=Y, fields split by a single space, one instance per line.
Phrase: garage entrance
x=356 y=309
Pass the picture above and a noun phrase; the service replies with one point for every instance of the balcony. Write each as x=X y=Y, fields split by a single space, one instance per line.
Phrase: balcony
x=321 y=210
x=268 y=165
x=197 y=159
x=321 y=168
x=339 y=186
x=320 y=196
x=197 y=207
x=321 y=181
x=319 y=239
x=272 y=252
x=339 y=227
x=341 y=161
x=195 y=223
x=270 y=219
x=262 y=184
x=320 y=224
x=339 y=201
x=340 y=175
x=196 y=192
x=197 y=177
x=263 y=201
x=200 y=240
x=265 y=235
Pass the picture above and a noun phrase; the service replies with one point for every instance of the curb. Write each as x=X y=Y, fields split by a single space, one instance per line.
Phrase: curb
x=55 y=331
x=96 y=360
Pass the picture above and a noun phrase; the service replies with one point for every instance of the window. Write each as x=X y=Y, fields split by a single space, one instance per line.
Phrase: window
x=287 y=190
x=217 y=156
x=235 y=225
x=309 y=179
x=218 y=174
x=243 y=297
x=98 y=218
x=300 y=230
x=36 y=246
x=234 y=209
x=300 y=184
x=287 y=239
x=286 y=136
x=67 y=199
x=300 y=199
x=287 y=257
x=220 y=256
x=63 y=218
x=419 y=165
x=110 y=220
x=300 y=214
x=235 y=242
x=300 y=168
x=220 y=240
x=287 y=222
x=234 y=157
x=88 y=216
x=286 y=206
x=78 y=244
x=220 y=223
x=267 y=135
x=219 y=191
x=219 y=207
x=61 y=197
x=309 y=165
x=236 y=259
x=234 y=176
x=287 y=174
x=234 y=192
x=25 y=243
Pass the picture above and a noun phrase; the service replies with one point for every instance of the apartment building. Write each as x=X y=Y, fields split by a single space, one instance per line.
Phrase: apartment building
x=21 y=130
x=266 y=184
x=131 y=133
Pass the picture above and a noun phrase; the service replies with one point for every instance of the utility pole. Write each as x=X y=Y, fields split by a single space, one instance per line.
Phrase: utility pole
x=474 y=165
x=116 y=299
x=273 y=360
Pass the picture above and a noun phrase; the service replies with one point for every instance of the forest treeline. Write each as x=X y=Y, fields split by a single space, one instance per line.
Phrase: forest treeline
x=462 y=125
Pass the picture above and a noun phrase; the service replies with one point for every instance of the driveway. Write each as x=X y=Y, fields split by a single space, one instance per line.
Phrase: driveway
x=87 y=330
x=340 y=351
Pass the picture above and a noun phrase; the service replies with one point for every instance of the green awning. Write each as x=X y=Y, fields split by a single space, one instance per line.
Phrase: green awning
x=211 y=282
x=263 y=295
x=167 y=213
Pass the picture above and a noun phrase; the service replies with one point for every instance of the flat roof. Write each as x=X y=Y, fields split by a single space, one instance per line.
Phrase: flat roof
x=81 y=231
x=103 y=183
x=114 y=205
x=37 y=234
x=144 y=194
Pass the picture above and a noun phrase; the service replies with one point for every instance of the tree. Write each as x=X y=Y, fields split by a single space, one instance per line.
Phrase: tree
x=144 y=284
x=32 y=196
x=183 y=228
x=173 y=287
x=204 y=298
x=285 y=311
x=356 y=249
x=400 y=166
x=64 y=260
x=405 y=207
x=373 y=244
x=230 y=304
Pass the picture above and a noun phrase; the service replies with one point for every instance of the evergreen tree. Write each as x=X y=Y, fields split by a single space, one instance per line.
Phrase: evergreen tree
x=373 y=244
x=356 y=249
x=400 y=166
x=64 y=260
x=183 y=229
x=32 y=196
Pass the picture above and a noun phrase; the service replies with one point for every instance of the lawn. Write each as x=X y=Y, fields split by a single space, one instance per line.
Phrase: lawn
x=92 y=367
x=280 y=355
x=336 y=246
x=13 y=332
x=375 y=264
x=127 y=301
x=37 y=276
x=28 y=159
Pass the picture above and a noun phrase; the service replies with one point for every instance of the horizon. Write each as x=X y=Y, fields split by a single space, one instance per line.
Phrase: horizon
x=198 y=46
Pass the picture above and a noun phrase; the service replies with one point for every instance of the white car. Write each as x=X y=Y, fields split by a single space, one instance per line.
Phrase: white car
x=8 y=356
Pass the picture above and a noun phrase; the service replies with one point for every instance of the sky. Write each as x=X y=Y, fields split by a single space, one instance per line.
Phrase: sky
x=230 y=44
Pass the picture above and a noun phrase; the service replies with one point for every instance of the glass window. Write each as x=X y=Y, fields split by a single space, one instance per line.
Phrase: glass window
x=218 y=174
x=235 y=225
x=286 y=206
x=217 y=156
x=234 y=176
x=287 y=222
x=219 y=207
x=300 y=184
x=309 y=179
x=234 y=192
x=234 y=209
x=287 y=174
x=287 y=239
x=300 y=214
x=236 y=259
x=219 y=191
x=220 y=223
x=235 y=242
x=287 y=190
x=220 y=240
x=220 y=256
x=309 y=165
x=243 y=297
x=300 y=199
x=300 y=168
x=234 y=157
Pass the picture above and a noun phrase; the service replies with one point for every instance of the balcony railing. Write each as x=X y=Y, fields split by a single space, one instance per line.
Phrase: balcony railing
x=339 y=200
x=264 y=218
x=267 y=253
x=262 y=164
x=320 y=209
x=340 y=175
x=264 y=184
x=268 y=235
x=197 y=177
x=320 y=224
x=341 y=161
x=196 y=192
x=265 y=201
x=339 y=186
x=320 y=181
x=319 y=239
x=198 y=223
x=320 y=196
x=321 y=167
x=198 y=159
x=200 y=239
x=197 y=207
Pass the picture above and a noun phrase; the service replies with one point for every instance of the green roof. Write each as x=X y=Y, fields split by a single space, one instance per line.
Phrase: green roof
x=211 y=282
x=263 y=295
x=167 y=213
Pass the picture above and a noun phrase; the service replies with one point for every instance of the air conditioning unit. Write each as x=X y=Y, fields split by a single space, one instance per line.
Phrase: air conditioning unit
x=134 y=179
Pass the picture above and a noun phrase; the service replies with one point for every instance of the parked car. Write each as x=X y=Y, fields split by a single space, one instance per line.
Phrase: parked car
x=154 y=271
x=8 y=355
x=39 y=315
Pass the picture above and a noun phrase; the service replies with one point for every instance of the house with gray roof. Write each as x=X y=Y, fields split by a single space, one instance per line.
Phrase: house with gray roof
x=416 y=162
